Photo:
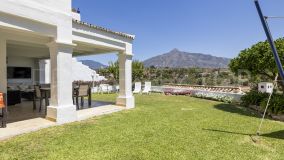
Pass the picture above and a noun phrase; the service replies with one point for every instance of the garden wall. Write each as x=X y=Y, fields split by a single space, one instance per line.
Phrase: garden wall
x=157 y=89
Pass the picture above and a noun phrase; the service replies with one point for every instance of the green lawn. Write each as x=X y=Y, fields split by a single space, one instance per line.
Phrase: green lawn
x=161 y=127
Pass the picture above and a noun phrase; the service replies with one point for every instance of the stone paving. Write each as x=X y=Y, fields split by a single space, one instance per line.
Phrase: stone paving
x=22 y=119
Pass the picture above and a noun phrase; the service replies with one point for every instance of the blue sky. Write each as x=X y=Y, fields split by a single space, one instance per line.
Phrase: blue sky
x=217 y=27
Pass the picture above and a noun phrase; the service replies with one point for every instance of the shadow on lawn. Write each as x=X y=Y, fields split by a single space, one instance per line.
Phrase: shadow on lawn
x=236 y=109
x=276 y=135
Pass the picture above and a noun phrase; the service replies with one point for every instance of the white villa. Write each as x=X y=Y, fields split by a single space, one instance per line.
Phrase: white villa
x=32 y=31
x=80 y=72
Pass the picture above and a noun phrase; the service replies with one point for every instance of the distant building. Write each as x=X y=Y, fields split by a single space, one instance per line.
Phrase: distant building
x=265 y=87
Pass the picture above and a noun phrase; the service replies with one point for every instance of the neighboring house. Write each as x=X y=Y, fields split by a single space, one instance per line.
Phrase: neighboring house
x=33 y=30
x=80 y=72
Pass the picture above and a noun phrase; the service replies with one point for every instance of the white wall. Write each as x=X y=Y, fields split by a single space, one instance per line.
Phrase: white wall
x=40 y=10
x=20 y=56
x=39 y=16
x=23 y=62
x=80 y=72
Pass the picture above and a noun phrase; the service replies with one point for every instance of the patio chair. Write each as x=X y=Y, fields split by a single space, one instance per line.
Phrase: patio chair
x=116 y=88
x=138 y=88
x=38 y=95
x=104 y=88
x=83 y=91
x=147 y=88
x=75 y=88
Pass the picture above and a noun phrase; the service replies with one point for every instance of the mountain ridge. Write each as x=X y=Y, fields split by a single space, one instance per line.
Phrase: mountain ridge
x=181 y=59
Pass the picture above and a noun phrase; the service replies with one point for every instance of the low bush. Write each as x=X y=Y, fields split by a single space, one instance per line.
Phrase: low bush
x=214 y=96
x=253 y=98
x=276 y=104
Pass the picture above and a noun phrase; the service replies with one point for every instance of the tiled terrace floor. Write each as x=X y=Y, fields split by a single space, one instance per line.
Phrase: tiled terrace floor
x=22 y=119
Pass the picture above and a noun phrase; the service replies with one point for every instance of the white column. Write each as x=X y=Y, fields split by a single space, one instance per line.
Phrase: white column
x=61 y=107
x=3 y=65
x=44 y=71
x=125 y=97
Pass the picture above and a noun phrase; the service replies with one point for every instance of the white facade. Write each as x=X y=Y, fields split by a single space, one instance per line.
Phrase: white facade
x=48 y=29
x=265 y=87
x=80 y=72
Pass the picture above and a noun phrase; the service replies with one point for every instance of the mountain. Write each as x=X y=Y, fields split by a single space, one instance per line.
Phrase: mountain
x=180 y=59
x=93 y=64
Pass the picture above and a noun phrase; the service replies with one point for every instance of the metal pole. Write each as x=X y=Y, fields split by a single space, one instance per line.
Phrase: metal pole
x=270 y=40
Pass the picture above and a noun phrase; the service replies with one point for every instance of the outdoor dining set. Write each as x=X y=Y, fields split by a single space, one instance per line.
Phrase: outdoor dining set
x=80 y=91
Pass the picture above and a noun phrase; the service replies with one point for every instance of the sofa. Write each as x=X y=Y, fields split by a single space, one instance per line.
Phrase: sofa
x=17 y=91
x=13 y=97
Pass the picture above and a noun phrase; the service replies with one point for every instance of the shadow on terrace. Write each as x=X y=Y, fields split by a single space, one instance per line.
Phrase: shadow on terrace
x=24 y=110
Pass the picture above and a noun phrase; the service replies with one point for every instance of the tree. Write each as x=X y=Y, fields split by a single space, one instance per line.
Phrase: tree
x=258 y=61
x=137 y=70
x=112 y=71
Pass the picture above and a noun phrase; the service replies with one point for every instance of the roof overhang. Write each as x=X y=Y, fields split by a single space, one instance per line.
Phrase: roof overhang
x=91 y=39
x=125 y=35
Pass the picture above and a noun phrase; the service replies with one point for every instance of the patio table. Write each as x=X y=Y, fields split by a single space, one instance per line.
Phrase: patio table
x=45 y=92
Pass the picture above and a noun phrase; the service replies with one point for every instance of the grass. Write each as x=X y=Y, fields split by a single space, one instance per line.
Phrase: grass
x=160 y=127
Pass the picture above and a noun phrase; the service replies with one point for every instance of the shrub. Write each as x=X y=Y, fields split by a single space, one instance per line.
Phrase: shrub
x=253 y=98
x=276 y=104
x=168 y=91
x=214 y=96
